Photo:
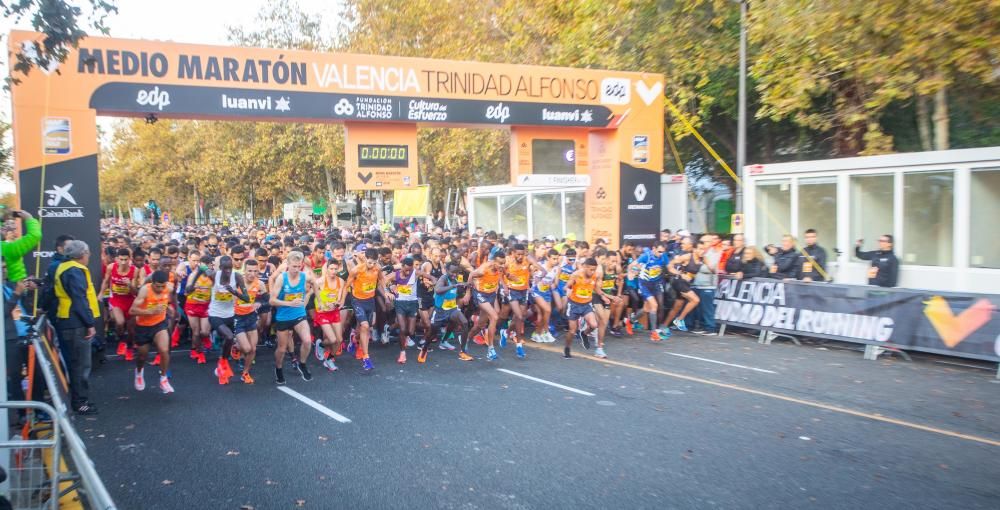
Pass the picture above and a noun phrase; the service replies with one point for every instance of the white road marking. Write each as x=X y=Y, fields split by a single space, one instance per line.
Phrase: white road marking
x=979 y=367
x=550 y=383
x=722 y=363
x=313 y=404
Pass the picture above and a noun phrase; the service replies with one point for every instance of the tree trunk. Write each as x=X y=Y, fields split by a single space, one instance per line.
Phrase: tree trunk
x=197 y=207
x=941 y=119
x=924 y=122
x=331 y=199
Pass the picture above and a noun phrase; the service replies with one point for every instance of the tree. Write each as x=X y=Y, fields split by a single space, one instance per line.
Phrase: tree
x=61 y=25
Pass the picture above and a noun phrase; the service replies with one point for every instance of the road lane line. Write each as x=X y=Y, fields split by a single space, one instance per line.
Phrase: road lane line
x=550 y=383
x=722 y=363
x=794 y=400
x=313 y=404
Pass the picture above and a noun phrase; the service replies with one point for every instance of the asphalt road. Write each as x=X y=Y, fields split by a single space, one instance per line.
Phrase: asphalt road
x=746 y=426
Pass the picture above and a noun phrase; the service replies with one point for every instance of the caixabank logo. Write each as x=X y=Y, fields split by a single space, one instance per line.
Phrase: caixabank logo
x=954 y=328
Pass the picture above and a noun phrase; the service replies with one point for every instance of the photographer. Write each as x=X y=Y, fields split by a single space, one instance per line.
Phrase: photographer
x=15 y=330
x=15 y=249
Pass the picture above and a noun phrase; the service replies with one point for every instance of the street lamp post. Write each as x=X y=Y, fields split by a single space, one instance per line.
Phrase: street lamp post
x=741 y=129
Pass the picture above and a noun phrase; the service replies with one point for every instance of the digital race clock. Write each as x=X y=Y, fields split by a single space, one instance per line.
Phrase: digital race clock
x=381 y=156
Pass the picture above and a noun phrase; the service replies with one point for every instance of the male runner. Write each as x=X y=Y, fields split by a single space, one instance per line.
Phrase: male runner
x=150 y=311
x=541 y=292
x=365 y=281
x=488 y=282
x=518 y=277
x=119 y=280
x=651 y=265
x=328 y=317
x=199 y=295
x=289 y=293
x=580 y=290
x=227 y=286
x=404 y=283
x=246 y=318
x=447 y=313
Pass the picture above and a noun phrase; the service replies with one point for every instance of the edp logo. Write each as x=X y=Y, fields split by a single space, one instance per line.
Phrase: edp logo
x=498 y=112
x=154 y=97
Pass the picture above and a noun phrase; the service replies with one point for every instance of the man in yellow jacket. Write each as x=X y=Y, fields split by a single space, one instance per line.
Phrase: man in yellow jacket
x=76 y=320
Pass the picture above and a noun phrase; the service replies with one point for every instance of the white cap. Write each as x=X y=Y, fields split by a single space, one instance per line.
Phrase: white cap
x=521 y=237
x=683 y=233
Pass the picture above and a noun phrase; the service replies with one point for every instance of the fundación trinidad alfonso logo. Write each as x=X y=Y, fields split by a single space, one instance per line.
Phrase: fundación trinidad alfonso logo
x=952 y=328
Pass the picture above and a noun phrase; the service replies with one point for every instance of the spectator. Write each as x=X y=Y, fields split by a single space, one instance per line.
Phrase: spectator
x=15 y=249
x=76 y=317
x=884 y=270
x=15 y=330
x=752 y=265
x=734 y=258
x=812 y=260
x=704 y=284
x=786 y=260
x=439 y=220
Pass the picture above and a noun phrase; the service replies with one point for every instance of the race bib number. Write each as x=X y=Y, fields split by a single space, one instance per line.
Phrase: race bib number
x=807 y=267
x=608 y=284
x=584 y=292
x=368 y=287
x=873 y=272
x=405 y=290
x=564 y=277
x=518 y=280
x=544 y=287
x=293 y=297
x=461 y=278
x=119 y=288
x=654 y=271
x=449 y=304
x=223 y=296
x=687 y=276
x=200 y=295
x=489 y=287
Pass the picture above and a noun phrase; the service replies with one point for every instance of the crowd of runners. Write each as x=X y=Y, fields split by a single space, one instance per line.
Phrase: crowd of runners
x=332 y=294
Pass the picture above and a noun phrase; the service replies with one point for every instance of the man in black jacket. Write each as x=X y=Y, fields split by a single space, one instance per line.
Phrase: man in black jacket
x=812 y=260
x=76 y=319
x=786 y=260
x=884 y=270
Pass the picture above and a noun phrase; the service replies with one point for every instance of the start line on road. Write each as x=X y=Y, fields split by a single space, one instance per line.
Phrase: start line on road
x=550 y=383
x=313 y=404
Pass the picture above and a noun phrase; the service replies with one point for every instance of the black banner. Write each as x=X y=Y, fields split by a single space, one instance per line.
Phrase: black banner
x=70 y=204
x=955 y=324
x=640 y=204
x=214 y=102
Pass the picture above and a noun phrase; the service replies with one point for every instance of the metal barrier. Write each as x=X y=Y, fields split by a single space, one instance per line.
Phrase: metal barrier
x=70 y=468
x=31 y=484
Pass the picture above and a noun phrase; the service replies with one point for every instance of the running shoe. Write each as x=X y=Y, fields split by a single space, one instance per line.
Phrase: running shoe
x=535 y=337
x=655 y=336
x=446 y=346
x=175 y=338
x=366 y=365
x=140 y=381
x=615 y=332
x=402 y=358
x=503 y=338
x=235 y=353
x=409 y=342
x=584 y=339
x=156 y=360
x=422 y=357
x=664 y=333
x=121 y=349
x=464 y=356
x=201 y=358
x=520 y=350
x=129 y=354
x=386 y=333
x=304 y=372
x=680 y=324
x=352 y=345
x=698 y=331
x=599 y=353
x=375 y=335
x=246 y=378
x=491 y=354
x=279 y=376
x=319 y=350
x=226 y=369
x=628 y=327
x=165 y=386
x=206 y=343
x=479 y=339
x=330 y=365
x=193 y=354
x=340 y=349
x=550 y=338
x=358 y=354
x=566 y=354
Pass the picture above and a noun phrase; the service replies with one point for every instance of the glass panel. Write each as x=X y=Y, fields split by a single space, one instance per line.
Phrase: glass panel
x=774 y=211
x=485 y=210
x=553 y=157
x=871 y=209
x=818 y=211
x=574 y=216
x=546 y=215
x=984 y=242
x=514 y=214
x=928 y=218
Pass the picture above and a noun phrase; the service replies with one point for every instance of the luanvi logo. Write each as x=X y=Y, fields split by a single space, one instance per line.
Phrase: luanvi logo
x=54 y=207
x=953 y=329
x=153 y=97
x=255 y=103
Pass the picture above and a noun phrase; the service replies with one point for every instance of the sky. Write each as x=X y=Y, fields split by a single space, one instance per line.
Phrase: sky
x=189 y=21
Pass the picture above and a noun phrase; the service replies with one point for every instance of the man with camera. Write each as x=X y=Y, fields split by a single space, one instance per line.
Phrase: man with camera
x=15 y=249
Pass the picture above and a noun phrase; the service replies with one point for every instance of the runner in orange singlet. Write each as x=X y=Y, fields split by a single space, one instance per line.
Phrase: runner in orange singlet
x=150 y=311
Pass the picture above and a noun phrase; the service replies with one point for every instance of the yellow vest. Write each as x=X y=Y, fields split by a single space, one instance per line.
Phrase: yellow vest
x=62 y=312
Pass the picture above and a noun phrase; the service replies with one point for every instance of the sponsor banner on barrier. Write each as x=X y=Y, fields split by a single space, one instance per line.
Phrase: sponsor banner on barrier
x=955 y=324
